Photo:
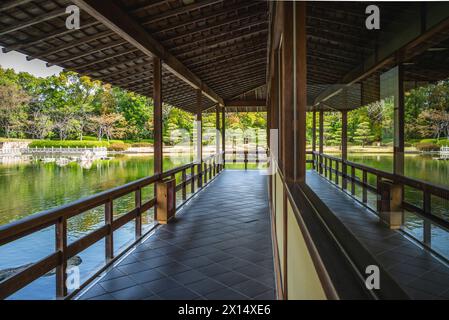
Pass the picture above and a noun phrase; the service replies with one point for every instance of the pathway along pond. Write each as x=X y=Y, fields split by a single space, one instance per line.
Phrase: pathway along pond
x=33 y=186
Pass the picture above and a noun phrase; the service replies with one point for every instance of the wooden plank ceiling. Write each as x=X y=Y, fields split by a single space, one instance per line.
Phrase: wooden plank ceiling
x=222 y=42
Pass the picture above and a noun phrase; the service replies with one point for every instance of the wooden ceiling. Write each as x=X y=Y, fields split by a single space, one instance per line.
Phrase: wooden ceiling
x=221 y=42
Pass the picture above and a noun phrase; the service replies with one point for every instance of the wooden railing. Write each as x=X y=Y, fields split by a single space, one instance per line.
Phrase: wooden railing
x=246 y=157
x=347 y=175
x=201 y=173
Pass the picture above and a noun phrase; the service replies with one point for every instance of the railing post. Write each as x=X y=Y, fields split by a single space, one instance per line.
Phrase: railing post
x=184 y=191
x=108 y=218
x=200 y=175
x=427 y=226
x=205 y=172
x=352 y=180
x=61 y=246
x=192 y=182
x=246 y=159
x=214 y=169
x=364 y=189
x=138 y=204
x=337 y=166
x=330 y=169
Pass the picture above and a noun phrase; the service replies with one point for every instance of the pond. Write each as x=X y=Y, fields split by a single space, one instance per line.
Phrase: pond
x=31 y=186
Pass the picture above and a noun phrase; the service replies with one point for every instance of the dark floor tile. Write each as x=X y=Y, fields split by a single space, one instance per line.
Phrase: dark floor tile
x=160 y=285
x=106 y=296
x=117 y=283
x=213 y=269
x=189 y=276
x=94 y=291
x=205 y=286
x=179 y=293
x=267 y=295
x=230 y=278
x=132 y=293
x=225 y=294
x=250 y=288
x=147 y=276
x=133 y=267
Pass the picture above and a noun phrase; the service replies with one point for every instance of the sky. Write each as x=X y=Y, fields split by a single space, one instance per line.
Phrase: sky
x=18 y=62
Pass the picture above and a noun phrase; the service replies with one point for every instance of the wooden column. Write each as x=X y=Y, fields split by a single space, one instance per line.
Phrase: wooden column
x=300 y=55
x=217 y=131
x=314 y=139
x=199 y=136
x=398 y=158
x=157 y=116
x=344 y=146
x=321 y=134
x=223 y=131
x=294 y=91
x=314 y=131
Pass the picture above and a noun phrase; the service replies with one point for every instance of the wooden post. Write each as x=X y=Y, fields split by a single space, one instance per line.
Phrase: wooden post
x=344 y=147
x=399 y=123
x=138 y=204
x=399 y=120
x=321 y=133
x=108 y=217
x=61 y=246
x=223 y=131
x=294 y=91
x=157 y=117
x=217 y=131
x=314 y=131
x=300 y=56
x=157 y=120
x=199 y=136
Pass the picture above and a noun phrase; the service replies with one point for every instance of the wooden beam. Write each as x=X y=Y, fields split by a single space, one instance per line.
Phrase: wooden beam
x=71 y=44
x=31 y=22
x=12 y=3
x=110 y=14
x=57 y=33
x=157 y=115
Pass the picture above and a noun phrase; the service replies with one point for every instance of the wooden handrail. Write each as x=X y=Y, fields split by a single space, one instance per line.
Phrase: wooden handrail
x=428 y=189
x=59 y=216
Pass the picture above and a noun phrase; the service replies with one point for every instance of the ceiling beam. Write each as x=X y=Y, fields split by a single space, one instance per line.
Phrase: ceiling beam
x=12 y=3
x=31 y=22
x=109 y=13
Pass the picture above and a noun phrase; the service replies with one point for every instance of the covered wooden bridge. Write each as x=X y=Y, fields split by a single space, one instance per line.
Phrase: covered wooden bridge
x=291 y=234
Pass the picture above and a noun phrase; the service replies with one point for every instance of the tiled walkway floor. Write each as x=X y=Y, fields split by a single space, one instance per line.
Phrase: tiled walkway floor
x=417 y=271
x=219 y=247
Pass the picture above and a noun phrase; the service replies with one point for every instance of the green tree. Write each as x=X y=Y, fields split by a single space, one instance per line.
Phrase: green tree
x=363 y=134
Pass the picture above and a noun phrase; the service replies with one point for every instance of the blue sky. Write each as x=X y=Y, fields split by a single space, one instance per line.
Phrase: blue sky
x=18 y=62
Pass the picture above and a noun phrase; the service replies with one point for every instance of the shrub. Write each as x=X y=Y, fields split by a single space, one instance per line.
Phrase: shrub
x=141 y=145
x=118 y=146
x=67 y=144
x=423 y=146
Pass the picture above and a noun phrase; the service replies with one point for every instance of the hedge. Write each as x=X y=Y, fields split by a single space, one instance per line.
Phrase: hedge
x=67 y=144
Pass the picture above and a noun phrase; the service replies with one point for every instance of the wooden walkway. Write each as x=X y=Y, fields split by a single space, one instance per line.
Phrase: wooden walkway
x=219 y=247
x=421 y=274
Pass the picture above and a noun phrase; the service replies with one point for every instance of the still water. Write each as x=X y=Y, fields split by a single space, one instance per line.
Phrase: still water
x=33 y=186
